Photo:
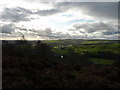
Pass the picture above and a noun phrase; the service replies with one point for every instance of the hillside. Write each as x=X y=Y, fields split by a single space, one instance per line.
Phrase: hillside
x=61 y=64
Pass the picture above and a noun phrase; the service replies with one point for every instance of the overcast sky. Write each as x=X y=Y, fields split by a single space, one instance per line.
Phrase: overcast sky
x=59 y=20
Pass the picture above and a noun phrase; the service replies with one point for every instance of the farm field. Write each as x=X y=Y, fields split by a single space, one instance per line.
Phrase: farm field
x=67 y=63
x=96 y=49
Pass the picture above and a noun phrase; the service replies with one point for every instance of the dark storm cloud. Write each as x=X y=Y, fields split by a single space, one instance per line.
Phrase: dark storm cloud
x=95 y=9
x=8 y=29
x=107 y=10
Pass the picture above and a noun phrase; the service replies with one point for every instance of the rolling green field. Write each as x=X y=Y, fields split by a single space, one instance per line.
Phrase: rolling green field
x=92 y=49
x=61 y=64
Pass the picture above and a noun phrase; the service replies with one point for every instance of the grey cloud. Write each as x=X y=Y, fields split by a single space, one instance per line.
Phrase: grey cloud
x=20 y=14
x=7 y=29
x=96 y=30
x=100 y=10
x=23 y=10
x=110 y=33
x=108 y=10
x=21 y=28
x=96 y=9
x=96 y=26
x=72 y=0
x=61 y=35
x=48 y=33
x=45 y=33
x=15 y=14
x=52 y=35
x=47 y=12
x=37 y=32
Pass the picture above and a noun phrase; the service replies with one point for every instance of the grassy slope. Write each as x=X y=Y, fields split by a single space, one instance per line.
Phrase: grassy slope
x=33 y=71
x=112 y=48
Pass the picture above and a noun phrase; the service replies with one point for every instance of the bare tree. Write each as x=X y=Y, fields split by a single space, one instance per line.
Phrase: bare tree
x=23 y=38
